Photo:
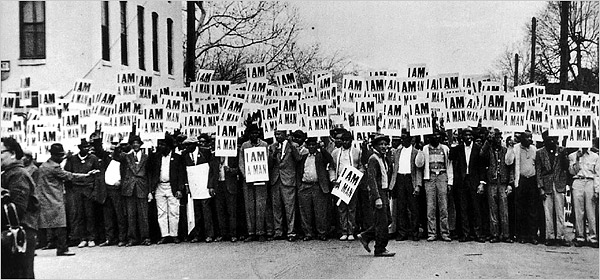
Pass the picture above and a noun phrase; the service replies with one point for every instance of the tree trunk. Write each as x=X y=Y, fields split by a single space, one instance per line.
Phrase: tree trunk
x=564 y=43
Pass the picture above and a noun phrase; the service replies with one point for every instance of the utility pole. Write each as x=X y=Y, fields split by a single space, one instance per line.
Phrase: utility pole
x=505 y=83
x=564 y=43
x=516 y=70
x=532 y=71
x=190 y=54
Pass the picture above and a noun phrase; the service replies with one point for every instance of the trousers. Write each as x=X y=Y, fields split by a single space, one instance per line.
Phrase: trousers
x=284 y=201
x=407 y=210
x=498 y=205
x=167 y=208
x=82 y=215
x=255 y=201
x=379 y=228
x=313 y=209
x=226 y=204
x=554 y=210
x=347 y=216
x=437 y=200
x=114 y=213
x=525 y=200
x=583 y=191
x=137 y=218
x=470 y=211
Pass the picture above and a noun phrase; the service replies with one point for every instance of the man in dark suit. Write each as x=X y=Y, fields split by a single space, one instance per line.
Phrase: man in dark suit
x=167 y=184
x=469 y=181
x=313 y=190
x=405 y=185
x=135 y=182
x=226 y=198
x=551 y=168
x=283 y=157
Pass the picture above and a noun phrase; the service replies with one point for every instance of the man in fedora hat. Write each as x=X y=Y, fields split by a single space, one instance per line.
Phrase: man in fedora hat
x=79 y=195
x=50 y=186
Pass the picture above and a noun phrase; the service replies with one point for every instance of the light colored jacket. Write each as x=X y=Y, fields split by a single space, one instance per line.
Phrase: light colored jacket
x=510 y=158
x=356 y=163
x=422 y=160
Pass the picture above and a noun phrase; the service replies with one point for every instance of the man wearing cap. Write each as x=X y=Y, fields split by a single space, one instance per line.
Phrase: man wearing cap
x=438 y=176
x=50 y=187
x=405 y=185
x=114 y=207
x=255 y=194
x=552 y=167
x=377 y=182
x=135 y=188
x=469 y=182
x=522 y=155
x=79 y=192
x=196 y=153
x=167 y=181
x=283 y=157
x=346 y=155
x=584 y=165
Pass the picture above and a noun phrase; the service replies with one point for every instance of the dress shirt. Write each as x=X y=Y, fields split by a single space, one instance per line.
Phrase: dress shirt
x=138 y=155
x=587 y=164
x=527 y=161
x=164 y=168
x=283 y=148
x=345 y=160
x=310 y=170
x=404 y=161
x=468 y=155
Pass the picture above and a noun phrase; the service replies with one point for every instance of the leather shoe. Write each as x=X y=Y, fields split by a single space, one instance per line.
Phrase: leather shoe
x=234 y=239
x=415 y=238
x=208 y=240
x=270 y=238
x=577 y=243
x=162 y=241
x=121 y=244
x=65 y=254
x=194 y=240
x=249 y=238
x=446 y=238
x=307 y=238
x=82 y=244
x=431 y=238
x=176 y=240
x=507 y=240
x=401 y=238
x=105 y=243
x=364 y=242
x=386 y=253
x=219 y=239
x=291 y=238
x=494 y=240
x=262 y=238
x=534 y=241
x=481 y=240
x=129 y=244
x=323 y=237
x=147 y=242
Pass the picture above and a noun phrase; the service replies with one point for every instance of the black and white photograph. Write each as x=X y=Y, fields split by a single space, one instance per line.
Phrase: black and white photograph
x=299 y=139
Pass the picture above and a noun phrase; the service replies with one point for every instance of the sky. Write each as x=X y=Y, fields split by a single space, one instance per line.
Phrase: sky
x=450 y=37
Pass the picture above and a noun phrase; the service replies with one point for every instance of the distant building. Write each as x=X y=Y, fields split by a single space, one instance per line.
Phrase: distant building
x=57 y=42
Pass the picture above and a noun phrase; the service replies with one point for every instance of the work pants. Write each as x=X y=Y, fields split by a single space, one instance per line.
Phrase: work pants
x=525 y=201
x=347 y=216
x=226 y=204
x=313 y=209
x=364 y=208
x=137 y=218
x=284 y=200
x=114 y=213
x=83 y=222
x=470 y=210
x=203 y=216
x=167 y=209
x=20 y=265
x=255 y=201
x=61 y=238
x=379 y=229
x=407 y=211
x=498 y=204
x=436 y=189
x=554 y=210
x=583 y=205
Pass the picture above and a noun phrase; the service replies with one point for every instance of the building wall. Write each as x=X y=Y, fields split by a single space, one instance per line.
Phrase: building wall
x=74 y=45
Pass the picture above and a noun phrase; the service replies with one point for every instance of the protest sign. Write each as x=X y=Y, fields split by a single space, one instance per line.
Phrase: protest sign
x=365 y=115
x=226 y=139
x=256 y=164
x=420 y=117
x=291 y=92
x=473 y=83
x=200 y=89
x=152 y=125
x=309 y=90
x=81 y=96
x=455 y=114
x=288 y=113
x=317 y=119
x=70 y=129
x=333 y=101
x=219 y=90
x=126 y=82
x=105 y=107
x=515 y=113
x=535 y=121
x=558 y=112
x=318 y=74
x=286 y=79
x=209 y=113
x=124 y=116
x=418 y=70
x=9 y=102
x=378 y=73
x=232 y=109
x=172 y=105
x=493 y=109
x=376 y=87
x=191 y=216
x=24 y=94
x=580 y=133
x=269 y=120
x=352 y=87
x=198 y=181
x=348 y=182
x=256 y=92
x=256 y=70
x=144 y=89
x=393 y=118
x=575 y=98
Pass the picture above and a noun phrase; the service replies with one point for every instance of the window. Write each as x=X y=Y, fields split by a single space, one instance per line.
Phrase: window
x=105 y=32
x=170 y=46
x=155 y=41
x=32 y=17
x=141 y=51
x=124 y=58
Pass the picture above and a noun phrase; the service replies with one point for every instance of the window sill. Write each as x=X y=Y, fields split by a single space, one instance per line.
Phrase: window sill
x=31 y=62
x=106 y=63
x=171 y=77
x=156 y=73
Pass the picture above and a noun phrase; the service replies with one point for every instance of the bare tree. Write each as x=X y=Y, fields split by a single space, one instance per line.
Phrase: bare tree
x=505 y=66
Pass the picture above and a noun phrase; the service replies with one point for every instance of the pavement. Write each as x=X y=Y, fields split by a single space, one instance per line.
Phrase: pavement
x=321 y=259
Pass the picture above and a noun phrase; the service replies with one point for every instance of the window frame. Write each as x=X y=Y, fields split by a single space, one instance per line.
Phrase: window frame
x=39 y=36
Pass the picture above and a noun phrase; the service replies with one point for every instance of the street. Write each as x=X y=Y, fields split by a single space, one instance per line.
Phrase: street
x=321 y=259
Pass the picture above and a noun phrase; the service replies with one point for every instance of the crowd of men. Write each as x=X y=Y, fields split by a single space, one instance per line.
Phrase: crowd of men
x=466 y=185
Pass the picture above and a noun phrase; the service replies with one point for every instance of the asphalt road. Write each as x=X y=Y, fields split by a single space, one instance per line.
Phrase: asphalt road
x=321 y=259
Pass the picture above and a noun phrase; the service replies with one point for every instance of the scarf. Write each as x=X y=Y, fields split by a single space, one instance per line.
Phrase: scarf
x=383 y=168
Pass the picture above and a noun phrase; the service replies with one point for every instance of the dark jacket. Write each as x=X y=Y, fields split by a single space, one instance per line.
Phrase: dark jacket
x=551 y=173
x=283 y=168
x=84 y=185
x=231 y=177
x=134 y=178
x=213 y=168
x=374 y=180
x=459 y=162
x=177 y=173
x=495 y=165
x=322 y=159
x=22 y=193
